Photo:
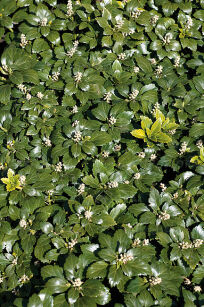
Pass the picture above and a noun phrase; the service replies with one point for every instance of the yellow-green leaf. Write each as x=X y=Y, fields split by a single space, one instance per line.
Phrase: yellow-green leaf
x=146 y=122
x=163 y=138
x=156 y=128
x=159 y=114
x=138 y=133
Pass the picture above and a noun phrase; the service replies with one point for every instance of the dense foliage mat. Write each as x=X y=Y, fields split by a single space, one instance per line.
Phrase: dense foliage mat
x=101 y=153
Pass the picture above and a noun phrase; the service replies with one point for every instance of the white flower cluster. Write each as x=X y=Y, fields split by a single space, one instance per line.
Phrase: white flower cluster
x=133 y=95
x=23 y=279
x=112 y=120
x=72 y=51
x=10 y=144
x=5 y=69
x=186 y=281
x=1 y=280
x=145 y=242
x=183 y=148
x=1 y=166
x=72 y=243
x=50 y=192
x=186 y=245
x=155 y=281
x=197 y=289
x=77 y=137
x=163 y=187
x=105 y=154
x=112 y=184
x=167 y=39
x=24 y=41
x=75 y=123
x=48 y=142
x=131 y=31
x=125 y=258
x=75 y=109
x=199 y=144
x=136 y=13
x=22 y=179
x=189 y=23
x=177 y=61
x=153 y=157
x=78 y=76
x=107 y=97
x=175 y=195
x=137 y=242
x=158 y=71
x=136 y=69
x=153 y=61
x=172 y=132
x=40 y=95
x=126 y=181
x=197 y=243
x=154 y=20
x=88 y=214
x=122 y=56
x=117 y=147
x=43 y=22
x=155 y=108
x=136 y=176
x=23 y=223
x=77 y=283
x=22 y=88
x=119 y=24
x=58 y=167
x=70 y=11
x=164 y=216
x=55 y=76
x=81 y=188
x=141 y=154
x=15 y=261
x=28 y=96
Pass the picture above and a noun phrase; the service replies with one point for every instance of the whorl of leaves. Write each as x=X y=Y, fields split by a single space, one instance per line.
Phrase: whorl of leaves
x=101 y=154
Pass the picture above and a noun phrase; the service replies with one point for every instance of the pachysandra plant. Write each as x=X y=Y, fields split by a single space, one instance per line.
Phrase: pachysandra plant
x=12 y=182
x=199 y=159
x=155 y=131
x=101 y=153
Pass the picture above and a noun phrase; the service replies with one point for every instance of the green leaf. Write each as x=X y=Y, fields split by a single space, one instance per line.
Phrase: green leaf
x=143 y=63
x=73 y=295
x=145 y=298
x=100 y=138
x=91 y=181
x=92 y=288
x=54 y=37
x=97 y=270
x=197 y=130
x=40 y=45
x=57 y=285
x=116 y=67
x=101 y=112
x=35 y=301
x=114 y=276
x=198 y=274
x=116 y=211
x=5 y=93
x=136 y=285
x=30 y=76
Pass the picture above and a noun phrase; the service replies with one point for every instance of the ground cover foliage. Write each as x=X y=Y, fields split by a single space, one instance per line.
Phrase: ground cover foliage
x=101 y=156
